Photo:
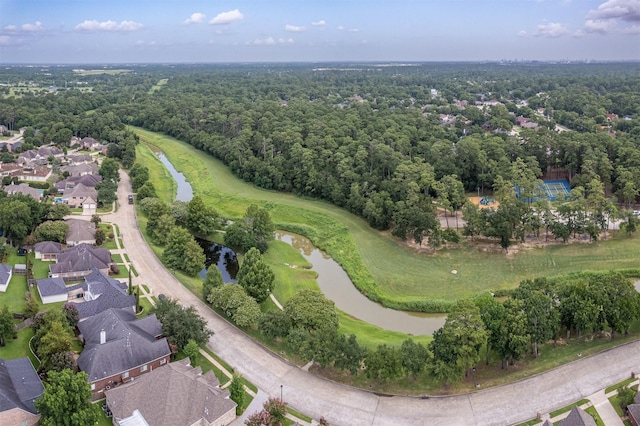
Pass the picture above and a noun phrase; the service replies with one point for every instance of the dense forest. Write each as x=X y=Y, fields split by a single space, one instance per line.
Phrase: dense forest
x=380 y=141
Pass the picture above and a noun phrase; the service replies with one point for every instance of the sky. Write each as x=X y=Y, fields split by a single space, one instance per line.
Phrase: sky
x=220 y=31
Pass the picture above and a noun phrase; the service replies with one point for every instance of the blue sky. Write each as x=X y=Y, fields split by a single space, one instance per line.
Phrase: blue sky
x=125 y=31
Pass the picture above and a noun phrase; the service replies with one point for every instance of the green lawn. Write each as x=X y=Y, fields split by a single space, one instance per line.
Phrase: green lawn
x=617 y=385
x=594 y=413
x=381 y=265
x=567 y=408
x=166 y=187
x=158 y=85
x=19 y=348
x=116 y=258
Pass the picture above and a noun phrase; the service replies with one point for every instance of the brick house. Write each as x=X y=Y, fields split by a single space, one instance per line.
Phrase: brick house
x=172 y=395
x=20 y=386
x=118 y=347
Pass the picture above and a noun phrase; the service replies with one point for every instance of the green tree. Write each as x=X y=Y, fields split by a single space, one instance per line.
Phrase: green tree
x=414 y=357
x=255 y=230
x=255 y=276
x=109 y=170
x=543 y=319
x=492 y=313
x=213 y=279
x=312 y=311
x=6 y=325
x=65 y=400
x=147 y=190
x=58 y=211
x=201 y=219
x=513 y=337
x=236 y=392
x=626 y=397
x=51 y=231
x=58 y=339
x=456 y=346
x=183 y=252
x=181 y=324
x=162 y=229
x=192 y=350
x=71 y=313
x=385 y=363
x=274 y=324
x=96 y=220
x=248 y=313
x=348 y=354
x=100 y=236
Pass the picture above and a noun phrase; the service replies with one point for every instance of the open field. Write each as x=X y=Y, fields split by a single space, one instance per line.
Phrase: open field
x=158 y=85
x=165 y=186
x=382 y=265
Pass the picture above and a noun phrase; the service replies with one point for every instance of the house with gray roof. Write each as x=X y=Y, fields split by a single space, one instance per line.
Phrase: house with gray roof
x=79 y=159
x=78 y=195
x=23 y=188
x=80 y=232
x=81 y=169
x=6 y=271
x=34 y=173
x=119 y=348
x=90 y=181
x=96 y=294
x=578 y=417
x=633 y=414
x=47 y=250
x=174 y=395
x=78 y=261
x=20 y=386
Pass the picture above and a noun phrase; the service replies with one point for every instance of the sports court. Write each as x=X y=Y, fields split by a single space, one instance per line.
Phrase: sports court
x=556 y=189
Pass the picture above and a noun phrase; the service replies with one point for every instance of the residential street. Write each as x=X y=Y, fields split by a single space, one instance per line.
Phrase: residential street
x=342 y=405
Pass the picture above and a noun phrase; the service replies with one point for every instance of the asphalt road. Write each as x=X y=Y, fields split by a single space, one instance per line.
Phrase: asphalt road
x=343 y=405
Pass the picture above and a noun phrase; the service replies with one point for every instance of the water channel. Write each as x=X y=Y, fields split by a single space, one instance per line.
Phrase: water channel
x=185 y=193
x=332 y=279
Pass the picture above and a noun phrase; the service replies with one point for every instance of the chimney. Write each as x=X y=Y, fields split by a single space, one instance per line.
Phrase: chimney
x=103 y=337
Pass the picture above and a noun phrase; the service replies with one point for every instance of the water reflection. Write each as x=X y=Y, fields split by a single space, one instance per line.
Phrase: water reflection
x=185 y=192
x=221 y=256
x=337 y=286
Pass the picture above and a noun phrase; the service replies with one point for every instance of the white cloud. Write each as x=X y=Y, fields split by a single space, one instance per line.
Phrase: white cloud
x=294 y=28
x=269 y=41
x=5 y=41
x=553 y=29
x=353 y=30
x=522 y=33
x=30 y=28
x=598 y=26
x=319 y=23
x=11 y=28
x=634 y=29
x=195 y=18
x=340 y=28
x=626 y=10
x=93 y=25
x=227 y=17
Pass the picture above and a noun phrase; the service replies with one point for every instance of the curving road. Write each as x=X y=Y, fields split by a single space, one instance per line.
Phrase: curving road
x=343 y=405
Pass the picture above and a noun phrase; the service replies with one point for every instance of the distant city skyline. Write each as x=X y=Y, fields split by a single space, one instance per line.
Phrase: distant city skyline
x=172 y=31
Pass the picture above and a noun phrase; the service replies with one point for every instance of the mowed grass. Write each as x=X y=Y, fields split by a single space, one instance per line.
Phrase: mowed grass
x=164 y=184
x=158 y=85
x=399 y=273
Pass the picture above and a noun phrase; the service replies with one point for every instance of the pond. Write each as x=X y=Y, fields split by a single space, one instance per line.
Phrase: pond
x=221 y=256
x=337 y=286
x=185 y=193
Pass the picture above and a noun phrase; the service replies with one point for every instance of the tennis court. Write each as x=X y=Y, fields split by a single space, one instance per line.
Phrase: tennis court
x=556 y=189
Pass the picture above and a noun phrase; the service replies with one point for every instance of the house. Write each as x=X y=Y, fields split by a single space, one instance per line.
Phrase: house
x=81 y=169
x=578 y=417
x=24 y=189
x=89 y=143
x=8 y=169
x=77 y=261
x=80 y=232
x=96 y=294
x=34 y=173
x=176 y=394
x=90 y=181
x=6 y=271
x=633 y=413
x=73 y=159
x=119 y=348
x=78 y=195
x=20 y=386
x=47 y=250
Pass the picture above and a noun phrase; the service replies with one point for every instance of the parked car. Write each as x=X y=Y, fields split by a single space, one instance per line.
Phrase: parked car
x=130 y=198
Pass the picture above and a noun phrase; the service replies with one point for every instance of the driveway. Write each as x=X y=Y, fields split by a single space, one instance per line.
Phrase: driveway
x=343 y=405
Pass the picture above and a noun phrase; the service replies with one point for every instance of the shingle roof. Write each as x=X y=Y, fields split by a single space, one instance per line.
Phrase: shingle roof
x=48 y=247
x=80 y=230
x=175 y=394
x=82 y=257
x=80 y=190
x=23 y=188
x=578 y=417
x=107 y=292
x=19 y=385
x=634 y=411
x=126 y=346
x=80 y=169
x=5 y=273
x=51 y=287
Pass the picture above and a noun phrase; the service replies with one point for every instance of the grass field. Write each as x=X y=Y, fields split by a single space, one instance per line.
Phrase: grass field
x=380 y=265
x=165 y=186
x=158 y=85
